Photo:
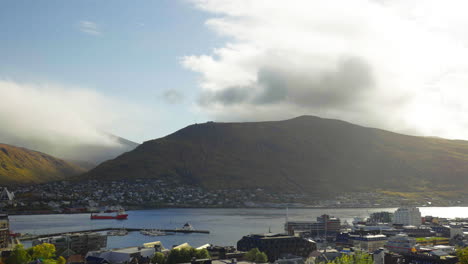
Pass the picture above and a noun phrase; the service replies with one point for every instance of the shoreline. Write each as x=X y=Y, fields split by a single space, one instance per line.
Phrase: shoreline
x=253 y=208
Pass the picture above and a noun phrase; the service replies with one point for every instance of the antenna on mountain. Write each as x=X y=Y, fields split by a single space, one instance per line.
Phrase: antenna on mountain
x=287 y=214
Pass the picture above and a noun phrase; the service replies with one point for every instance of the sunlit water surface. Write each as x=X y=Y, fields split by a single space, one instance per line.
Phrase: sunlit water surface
x=226 y=226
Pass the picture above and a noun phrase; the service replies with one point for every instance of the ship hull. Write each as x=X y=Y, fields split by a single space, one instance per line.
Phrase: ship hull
x=109 y=217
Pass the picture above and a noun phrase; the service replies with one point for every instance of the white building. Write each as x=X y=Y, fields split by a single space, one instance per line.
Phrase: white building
x=408 y=216
x=368 y=243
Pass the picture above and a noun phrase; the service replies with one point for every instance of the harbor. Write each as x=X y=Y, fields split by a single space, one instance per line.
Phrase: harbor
x=28 y=237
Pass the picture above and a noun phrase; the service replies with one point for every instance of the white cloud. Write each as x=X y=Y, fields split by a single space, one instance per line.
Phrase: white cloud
x=63 y=116
x=89 y=27
x=400 y=65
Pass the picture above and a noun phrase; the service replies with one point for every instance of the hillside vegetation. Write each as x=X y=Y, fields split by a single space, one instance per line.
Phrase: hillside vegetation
x=306 y=154
x=20 y=165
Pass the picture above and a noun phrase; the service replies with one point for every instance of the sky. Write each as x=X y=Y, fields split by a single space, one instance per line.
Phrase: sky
x=72 y=70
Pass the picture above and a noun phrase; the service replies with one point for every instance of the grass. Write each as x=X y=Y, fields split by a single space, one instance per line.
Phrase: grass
x=428 y=239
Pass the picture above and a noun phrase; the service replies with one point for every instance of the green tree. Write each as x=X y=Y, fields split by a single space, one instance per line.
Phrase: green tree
x=158 y=258
x=462 y=254
x=61 y=260
x=173 y=257
x=202 y=254
x=44 y=251
x=251 y=254
x=358 y=258
x=49 y=261
x=192 y=252
x=19 y=255
x=261 y=257
x=185 y=255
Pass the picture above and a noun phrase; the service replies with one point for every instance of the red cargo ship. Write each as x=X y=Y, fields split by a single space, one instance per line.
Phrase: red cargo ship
x=121 y=215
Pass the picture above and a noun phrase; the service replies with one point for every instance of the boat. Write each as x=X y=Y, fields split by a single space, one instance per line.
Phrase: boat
x=120 y=215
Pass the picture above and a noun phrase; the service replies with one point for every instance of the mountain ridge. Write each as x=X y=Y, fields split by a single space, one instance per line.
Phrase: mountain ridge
x=304 y=154
x=20 y=165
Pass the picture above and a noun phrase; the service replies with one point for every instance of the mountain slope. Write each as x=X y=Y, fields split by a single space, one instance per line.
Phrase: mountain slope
x=306 y=154
x=20 y=165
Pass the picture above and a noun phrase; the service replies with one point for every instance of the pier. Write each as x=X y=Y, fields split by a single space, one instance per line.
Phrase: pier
x=28 y=237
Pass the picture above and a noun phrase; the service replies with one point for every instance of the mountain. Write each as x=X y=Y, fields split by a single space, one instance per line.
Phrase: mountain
x=305 y=154
x=20 y=165
x=89 y=155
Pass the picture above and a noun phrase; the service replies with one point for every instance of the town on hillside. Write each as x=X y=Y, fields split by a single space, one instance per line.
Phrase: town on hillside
x=89 y=196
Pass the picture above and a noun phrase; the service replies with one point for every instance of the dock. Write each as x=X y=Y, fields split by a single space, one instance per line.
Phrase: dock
x=33 y=237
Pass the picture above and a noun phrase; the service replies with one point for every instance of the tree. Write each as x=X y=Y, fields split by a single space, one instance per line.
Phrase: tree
x=158 y=258
x=261 y=257
x=173 y=256
x=44 y=251
x=251 y=254
x=49 y=261
x=462 y=254
x=359 y=257
x=185 y=255
x=19 y=255
x=61 y=260
x=202 y=254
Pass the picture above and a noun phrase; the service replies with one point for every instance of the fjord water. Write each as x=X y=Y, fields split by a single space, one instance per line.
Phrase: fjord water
x=227 y=226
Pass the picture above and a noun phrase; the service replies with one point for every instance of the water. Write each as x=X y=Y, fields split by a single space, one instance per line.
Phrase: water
x=227 y=226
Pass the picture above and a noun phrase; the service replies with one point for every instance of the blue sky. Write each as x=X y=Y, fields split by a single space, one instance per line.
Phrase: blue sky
x=144 y=69
x=129 y=50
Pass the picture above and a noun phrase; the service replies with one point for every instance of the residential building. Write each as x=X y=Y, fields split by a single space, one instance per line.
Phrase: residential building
x=276 y=246
x=430 y=258
x=421 y=231
x=122 y=255
x=401 y=243
x=218 y=252
x=369 y=243
x=442 y=230
x=4 y=231
x=408 y=216
x=325 y=225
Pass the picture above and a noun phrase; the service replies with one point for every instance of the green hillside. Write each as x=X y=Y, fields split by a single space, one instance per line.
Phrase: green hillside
x=307 y=154
x=20 y=165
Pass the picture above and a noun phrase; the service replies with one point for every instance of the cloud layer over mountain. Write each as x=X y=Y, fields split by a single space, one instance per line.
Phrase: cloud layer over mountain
x=399 y=65
x=56 y=120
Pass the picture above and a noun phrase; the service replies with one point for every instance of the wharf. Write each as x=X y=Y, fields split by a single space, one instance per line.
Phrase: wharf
x=28 y=237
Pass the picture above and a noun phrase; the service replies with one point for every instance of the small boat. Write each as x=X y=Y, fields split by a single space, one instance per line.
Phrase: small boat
x=120 y=215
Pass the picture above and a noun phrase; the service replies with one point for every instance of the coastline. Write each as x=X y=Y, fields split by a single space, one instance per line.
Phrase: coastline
x=132 y=208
